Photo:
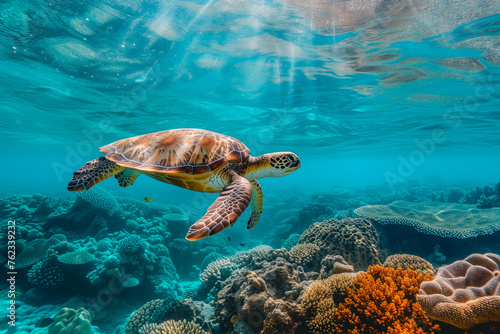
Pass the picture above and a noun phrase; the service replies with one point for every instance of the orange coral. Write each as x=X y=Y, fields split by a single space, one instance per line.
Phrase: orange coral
x=382 y=301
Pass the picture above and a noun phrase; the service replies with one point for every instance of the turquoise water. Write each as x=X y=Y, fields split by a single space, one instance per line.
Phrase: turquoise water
x=367 y=93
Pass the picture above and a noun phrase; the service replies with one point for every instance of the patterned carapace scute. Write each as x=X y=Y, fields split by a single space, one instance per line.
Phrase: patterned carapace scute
x=176 y=150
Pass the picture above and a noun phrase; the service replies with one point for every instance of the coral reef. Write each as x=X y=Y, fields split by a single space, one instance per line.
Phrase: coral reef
x=409 y=261
x=72 y=321
x=464 y=293
x=356 y=240
x=78 y=249
x=444 y=220
x=384 y=300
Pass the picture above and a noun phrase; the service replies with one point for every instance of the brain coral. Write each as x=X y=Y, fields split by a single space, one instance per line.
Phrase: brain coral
x=442 y=219
x=73 y=321
x=464 y=293
x=408 y=261
x=356 y=240
x=383 y=300
x=172 y=327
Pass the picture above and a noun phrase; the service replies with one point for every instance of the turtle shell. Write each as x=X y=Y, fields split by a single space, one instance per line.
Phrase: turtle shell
x=183 y=151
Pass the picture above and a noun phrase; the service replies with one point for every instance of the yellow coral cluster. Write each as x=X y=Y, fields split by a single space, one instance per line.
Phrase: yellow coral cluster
x=408 y=261
x=320 y=299
x=382 y=301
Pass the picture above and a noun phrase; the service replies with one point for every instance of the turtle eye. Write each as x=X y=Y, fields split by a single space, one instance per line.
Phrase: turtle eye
x=290 y=158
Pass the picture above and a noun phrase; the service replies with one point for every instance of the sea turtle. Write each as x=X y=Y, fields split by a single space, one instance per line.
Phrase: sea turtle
x=194 y=159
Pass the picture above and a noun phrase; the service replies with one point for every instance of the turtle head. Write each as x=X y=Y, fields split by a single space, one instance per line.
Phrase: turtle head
x=273 y=165
x=283 y=163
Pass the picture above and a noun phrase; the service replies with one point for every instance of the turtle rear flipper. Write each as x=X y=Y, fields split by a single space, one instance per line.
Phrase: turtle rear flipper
x=233 y=200
x=127 y=177
x=92 y=173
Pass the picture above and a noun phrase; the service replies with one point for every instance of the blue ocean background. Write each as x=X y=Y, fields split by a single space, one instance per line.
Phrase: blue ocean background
x=367 y=93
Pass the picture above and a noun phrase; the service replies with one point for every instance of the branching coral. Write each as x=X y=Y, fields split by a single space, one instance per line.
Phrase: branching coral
x=484 y=198
x=383 y=300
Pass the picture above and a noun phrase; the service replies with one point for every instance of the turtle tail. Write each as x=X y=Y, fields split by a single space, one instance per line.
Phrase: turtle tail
x=92 y=173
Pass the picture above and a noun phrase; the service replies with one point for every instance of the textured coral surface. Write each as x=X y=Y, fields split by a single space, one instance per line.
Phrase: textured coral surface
x=356 y=240
x=464 y=293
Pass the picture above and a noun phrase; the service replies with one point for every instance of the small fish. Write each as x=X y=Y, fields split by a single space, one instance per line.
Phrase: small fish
x=44 y=322
x=147 y=199
x=228 y=238
x=242 y=245
x=234 y=318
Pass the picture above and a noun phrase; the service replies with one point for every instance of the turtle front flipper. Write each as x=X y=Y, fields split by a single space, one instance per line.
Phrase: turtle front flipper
x=256 y=204
x=127 y=177
x=92 y=173
x=232 y=201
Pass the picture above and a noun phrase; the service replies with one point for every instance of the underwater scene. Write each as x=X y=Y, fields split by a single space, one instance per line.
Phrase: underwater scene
x=250 y=166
